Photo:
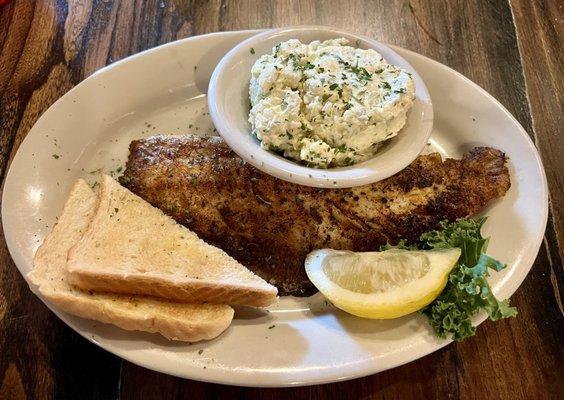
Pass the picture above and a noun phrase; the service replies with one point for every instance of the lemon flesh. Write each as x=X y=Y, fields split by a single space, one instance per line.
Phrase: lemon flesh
x=381 y=285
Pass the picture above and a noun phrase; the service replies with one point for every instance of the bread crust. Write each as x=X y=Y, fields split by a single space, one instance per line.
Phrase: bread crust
x=175 y=321
x=189 y=291
x=155 y=322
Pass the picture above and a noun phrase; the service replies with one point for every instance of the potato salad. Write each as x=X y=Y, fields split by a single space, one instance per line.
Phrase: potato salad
x=327 y=104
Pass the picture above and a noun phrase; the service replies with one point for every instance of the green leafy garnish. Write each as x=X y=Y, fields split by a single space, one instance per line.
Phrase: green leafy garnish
x=467 y=291
x=341 y=149
x=361 y=73
x=277 y=49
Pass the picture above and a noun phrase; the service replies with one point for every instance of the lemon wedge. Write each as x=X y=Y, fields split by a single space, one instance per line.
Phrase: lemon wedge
x=381 y=285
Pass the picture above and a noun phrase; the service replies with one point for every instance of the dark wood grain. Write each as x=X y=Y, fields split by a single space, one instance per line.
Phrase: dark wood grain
x=40 y=357
x=47 y=47
x=540 y=29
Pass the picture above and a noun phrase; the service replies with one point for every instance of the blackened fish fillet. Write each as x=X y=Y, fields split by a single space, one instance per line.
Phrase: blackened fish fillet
x=270 y=225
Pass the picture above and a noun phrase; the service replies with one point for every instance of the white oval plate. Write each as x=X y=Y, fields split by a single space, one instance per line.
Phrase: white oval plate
x=301 y=340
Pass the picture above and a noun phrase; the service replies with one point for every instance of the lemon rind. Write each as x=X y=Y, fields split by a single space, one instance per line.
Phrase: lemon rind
x=391 y=304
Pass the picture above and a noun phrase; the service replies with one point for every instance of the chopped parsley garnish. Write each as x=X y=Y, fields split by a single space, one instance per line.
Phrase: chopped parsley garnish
x=56 y=156
x=252 y=50
x=325 y=97
x=386 y=85
x=362 y=74
x=334 y=86
x=341 y=149
x=306 y=130
x=341 y=61
x=297 y=65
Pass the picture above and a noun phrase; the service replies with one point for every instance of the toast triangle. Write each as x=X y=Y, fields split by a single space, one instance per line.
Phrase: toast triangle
x=132 y=247
x=177 y=321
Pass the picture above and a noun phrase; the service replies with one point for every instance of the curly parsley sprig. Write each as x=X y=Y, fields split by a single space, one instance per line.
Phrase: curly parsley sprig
x=467 y=291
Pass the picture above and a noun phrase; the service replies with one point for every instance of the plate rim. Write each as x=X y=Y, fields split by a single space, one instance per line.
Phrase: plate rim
x=241 y=379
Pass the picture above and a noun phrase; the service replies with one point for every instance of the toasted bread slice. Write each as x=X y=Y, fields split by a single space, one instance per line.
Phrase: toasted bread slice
x=132 y=247
x=187 y=322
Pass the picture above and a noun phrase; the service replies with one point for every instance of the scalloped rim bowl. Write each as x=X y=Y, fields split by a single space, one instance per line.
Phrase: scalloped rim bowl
x=228 y=102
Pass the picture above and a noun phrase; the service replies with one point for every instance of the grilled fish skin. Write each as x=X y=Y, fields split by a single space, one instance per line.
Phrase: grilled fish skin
x=270 y=225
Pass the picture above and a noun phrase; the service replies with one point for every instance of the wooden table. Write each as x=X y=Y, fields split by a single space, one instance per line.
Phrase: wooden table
x=512 y=49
